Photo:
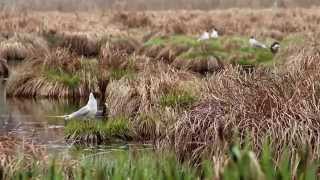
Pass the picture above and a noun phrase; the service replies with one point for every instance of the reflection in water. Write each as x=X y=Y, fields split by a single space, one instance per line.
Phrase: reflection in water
x=29 y=119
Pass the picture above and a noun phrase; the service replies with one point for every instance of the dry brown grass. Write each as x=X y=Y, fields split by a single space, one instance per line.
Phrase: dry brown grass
x=145 y=84
x=10 y=147
x=282 y=106
x=132 y=19
x=277 y=23
x=23 y=46
x=138 y=97
x=57 y=74
x=85 y=44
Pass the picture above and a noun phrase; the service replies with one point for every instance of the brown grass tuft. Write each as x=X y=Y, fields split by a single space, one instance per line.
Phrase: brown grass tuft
x=58 y=74
x=23 y=46
x=132 y=19
x=139 y=97
x=81 y=43
x=283 y=107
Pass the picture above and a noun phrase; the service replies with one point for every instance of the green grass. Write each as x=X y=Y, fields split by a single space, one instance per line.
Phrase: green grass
x=67 y=79
x=146 y=164
x=111 y=129
x=173 y=40
x=227 y=48
x=177 y=98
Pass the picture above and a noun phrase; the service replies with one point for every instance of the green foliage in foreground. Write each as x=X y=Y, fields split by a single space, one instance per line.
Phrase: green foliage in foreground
x=135 y=165
x=117 y=128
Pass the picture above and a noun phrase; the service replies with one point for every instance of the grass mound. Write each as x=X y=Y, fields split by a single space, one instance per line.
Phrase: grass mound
x=23 y=46
x=282 y=107
x=145 y=98
x=98 y=132
x=185 y=52
x=83 y=44
x=58 y=74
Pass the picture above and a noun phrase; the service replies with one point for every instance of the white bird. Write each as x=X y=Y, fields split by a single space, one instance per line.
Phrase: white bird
x=88 y=110
x=204 y=36
x=256 y=44
x=214 y=34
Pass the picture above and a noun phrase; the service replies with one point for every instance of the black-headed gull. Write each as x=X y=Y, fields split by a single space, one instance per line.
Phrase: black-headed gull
x=275 y=47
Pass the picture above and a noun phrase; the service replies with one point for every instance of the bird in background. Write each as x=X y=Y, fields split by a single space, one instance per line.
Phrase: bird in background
x=275 y=47
x=207 y=35
x=88 y=110
x=214 y=34
x=204 y=36
x=256 y=44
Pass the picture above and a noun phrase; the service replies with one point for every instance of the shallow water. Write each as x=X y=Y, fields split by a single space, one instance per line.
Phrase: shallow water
x=29 y=119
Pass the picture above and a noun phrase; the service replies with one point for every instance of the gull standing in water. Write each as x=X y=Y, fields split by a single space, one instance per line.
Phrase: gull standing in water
x=256 y=44
x=88 y=110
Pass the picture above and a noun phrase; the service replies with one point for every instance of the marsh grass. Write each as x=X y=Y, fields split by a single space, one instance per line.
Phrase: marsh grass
x=145 y=164
x=177 y=98
x=98 y=132
x=23 y=46
x=71 y=81
x=188 y=53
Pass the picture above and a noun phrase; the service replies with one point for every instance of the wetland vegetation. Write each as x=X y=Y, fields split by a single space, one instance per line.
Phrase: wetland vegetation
x=213 y=109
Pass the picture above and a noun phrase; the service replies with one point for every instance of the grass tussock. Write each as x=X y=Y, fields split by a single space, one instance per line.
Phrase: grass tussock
x=144 y=98
x=59 y=74
x=84 y=44
x=185 y=52
x=98 y=132
x=255 y=106
x=132 y=19
x=23 y=46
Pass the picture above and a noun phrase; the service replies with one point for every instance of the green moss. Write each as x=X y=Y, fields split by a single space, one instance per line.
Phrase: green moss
x=227 y=48
x=155 y=42
x=177 y=98
x=60 y=76
x=116 y=128
x=173 y=40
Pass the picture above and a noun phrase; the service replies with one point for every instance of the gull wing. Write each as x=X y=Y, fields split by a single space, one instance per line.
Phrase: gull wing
x=84 y=111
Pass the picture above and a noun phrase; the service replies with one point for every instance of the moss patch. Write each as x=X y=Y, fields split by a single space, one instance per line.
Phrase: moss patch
x=232 y=49
x=88 y=131
x=177 y=98
x=67 y=79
